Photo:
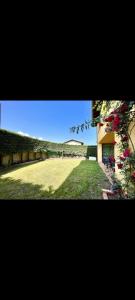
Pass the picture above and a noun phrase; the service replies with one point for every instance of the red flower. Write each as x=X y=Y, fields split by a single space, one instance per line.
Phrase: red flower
x=122 y=158
x=133 y=176
x=120 y=165
x=106 y=119
x=107 y=125
x=109 y=119
x=126 y=153
x=125 y=138
x=101 y=124
x=114 y=143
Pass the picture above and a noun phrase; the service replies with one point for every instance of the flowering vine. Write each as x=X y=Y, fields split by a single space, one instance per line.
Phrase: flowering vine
x=119 y=120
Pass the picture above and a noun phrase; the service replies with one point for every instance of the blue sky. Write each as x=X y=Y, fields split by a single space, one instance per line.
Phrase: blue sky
x=48 y=120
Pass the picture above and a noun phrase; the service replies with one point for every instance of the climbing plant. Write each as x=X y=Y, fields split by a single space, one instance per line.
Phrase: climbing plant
x=118 y=121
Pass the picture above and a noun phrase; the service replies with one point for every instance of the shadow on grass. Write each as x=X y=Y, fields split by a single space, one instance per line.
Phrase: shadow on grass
x=84 y=182
x=16 y=189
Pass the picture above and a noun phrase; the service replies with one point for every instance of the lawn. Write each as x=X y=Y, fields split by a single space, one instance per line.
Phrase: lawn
x=53 y=179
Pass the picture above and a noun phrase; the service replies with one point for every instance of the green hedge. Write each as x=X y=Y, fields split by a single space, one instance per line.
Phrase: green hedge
x=11 y=142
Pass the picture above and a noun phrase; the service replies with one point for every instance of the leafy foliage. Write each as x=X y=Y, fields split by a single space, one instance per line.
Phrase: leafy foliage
x=119 y=120
x=11 y=142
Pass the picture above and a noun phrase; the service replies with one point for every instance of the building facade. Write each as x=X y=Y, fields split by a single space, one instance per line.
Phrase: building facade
x=108 y=141
x=74 y=142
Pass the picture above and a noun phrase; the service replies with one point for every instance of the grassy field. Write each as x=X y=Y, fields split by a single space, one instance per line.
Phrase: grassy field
x=53 y=179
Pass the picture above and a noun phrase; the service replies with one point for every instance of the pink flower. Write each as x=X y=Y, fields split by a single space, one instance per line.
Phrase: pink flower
x=116 y=120
x=115 y=123
x=114 y=128
x=126 y=153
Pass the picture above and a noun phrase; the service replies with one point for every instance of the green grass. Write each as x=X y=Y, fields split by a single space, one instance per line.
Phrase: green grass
x=54 y=179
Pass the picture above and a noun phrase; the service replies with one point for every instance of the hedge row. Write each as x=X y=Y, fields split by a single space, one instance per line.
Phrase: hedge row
x=11 y=142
